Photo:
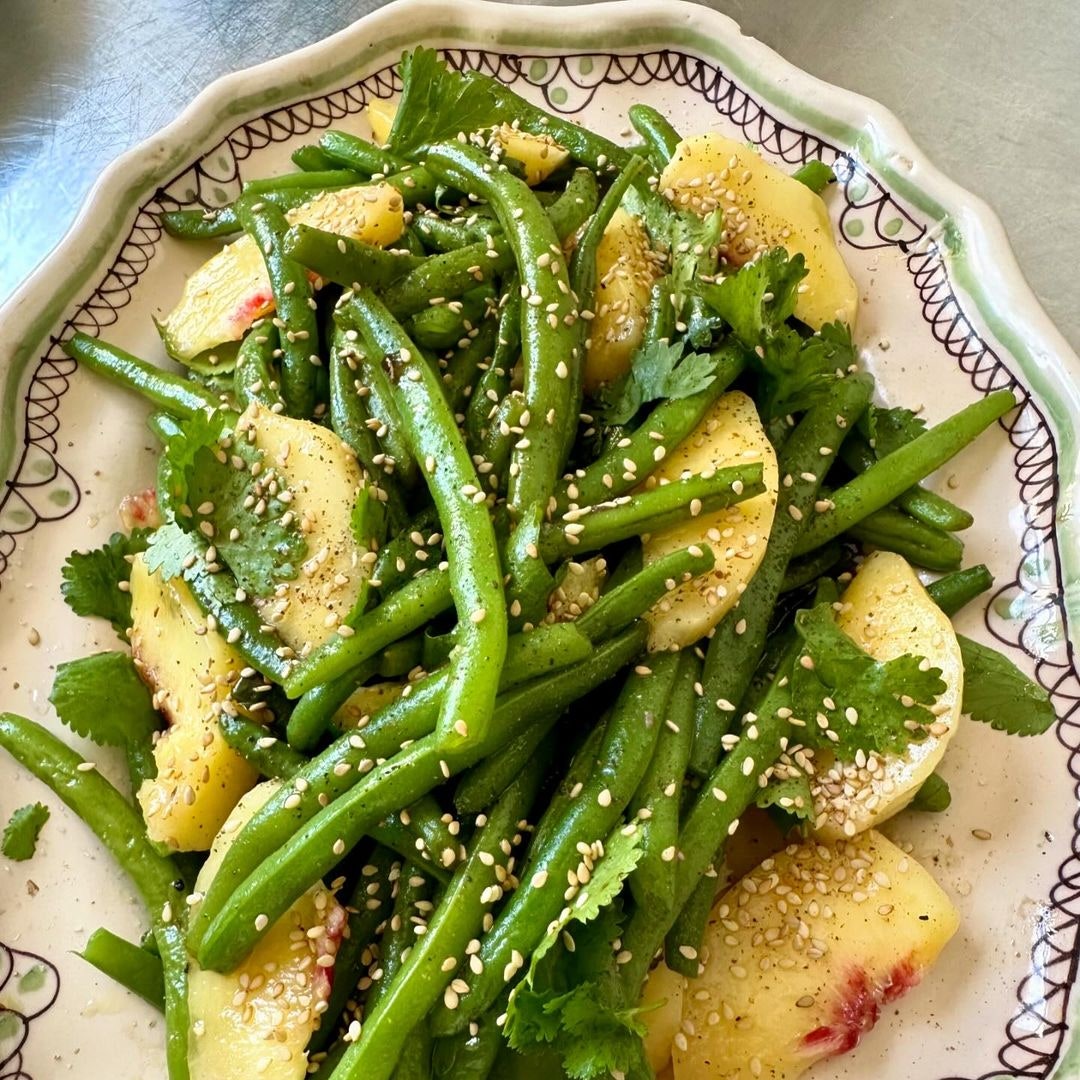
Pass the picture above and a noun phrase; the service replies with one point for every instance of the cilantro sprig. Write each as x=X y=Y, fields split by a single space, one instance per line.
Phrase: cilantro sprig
x=568 y=1001
x=212 y=469
x=757 y=302
x=92 y=579
x=659 y=370
x=102 y=698
x=866 y=704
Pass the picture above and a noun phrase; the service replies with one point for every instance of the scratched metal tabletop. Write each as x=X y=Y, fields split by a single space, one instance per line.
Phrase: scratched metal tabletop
x=990 y=90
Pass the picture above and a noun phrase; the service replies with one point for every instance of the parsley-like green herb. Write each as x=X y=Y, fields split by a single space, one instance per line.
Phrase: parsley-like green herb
x=889 y=429
x=998 y=693
x=91 y=580
x=102 y=698
x=250 y=529
x=756 y=302
x=436 y=103
x=791 y=794
x=933 y=797
x=659 y=370
x=169 y=549
x=816 y=175
x=866 y=704
x=569 y=1001
x=22 y=831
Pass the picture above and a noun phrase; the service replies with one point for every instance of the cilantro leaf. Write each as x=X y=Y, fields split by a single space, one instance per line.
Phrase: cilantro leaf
x=816 y=175
x=796 y=381
x=695 y=242
x=437 y=103
x=658 y=371
x=234 y=492
x=169 y=549
x=756 y=303
x=101 y=697
x=933 y=797
x=998 y=693
x=22 y=831
x=889 y=429
x=91 y=579
x=569 y=1001
x=791 y=794
x=865 y=704
x=758 y=299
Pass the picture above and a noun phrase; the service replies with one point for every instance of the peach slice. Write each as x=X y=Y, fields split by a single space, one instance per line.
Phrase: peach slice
x=801 y=955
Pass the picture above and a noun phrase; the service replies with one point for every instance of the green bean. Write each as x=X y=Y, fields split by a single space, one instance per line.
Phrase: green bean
x=311 y=717
x=474 y=354
x=472 y=552
x=441 y=235
x=215 y=594
x=666 y=426
x=133 y=967
x=312 y=159
x=120 y=828
x=623 y=756
x=583 y=280
x=440 y=327
x=254 y=378
x=629 y=599
x=413 y=888
x=810 y=567
x=444 y=277
x=409 y=608
x=423 y=978
x=368 y=904
x=162 y=389
x=656 y=802
x=402 y=557
x=493 y=386
x=683 y=941
x=550 y=347
x=349 y=419
x=320 y=181
x=255 y=744
x=739 y=638
x=432 y=829
x=224 y=220
x=482 y=785
x=345 y=260
x=922 y=504
x=471 y=1054
x=729 y=789
x=292 y=290
x=414 y=183
x=373 y=386
x=164 y=427
x=498 y=444
x=597 y=526
x=414 y=1062
x=655 y=128
x=892 y=475
x=956 y=590
x=306 y=854
x=921 y=544
x=395 y=836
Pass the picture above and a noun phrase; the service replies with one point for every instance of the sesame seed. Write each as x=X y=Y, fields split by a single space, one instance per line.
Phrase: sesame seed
x=261 y=923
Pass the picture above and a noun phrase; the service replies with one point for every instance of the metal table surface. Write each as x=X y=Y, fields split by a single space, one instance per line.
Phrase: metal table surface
x=990 y=90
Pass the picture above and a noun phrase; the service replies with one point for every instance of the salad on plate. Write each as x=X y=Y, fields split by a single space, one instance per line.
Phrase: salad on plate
x=531 y=623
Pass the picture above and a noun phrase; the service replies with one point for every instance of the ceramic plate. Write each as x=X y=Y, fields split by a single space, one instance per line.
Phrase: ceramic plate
x=946 y=317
